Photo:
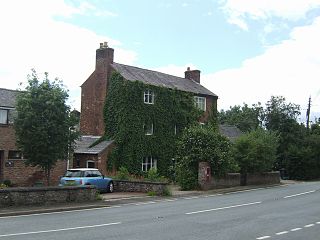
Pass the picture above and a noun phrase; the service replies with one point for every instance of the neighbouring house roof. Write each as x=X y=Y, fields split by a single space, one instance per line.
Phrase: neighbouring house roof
x=231 y=132
x=8 y=97
x=160 y=79
x=84 y=143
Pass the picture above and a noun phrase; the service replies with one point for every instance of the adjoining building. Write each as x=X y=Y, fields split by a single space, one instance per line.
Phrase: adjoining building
x=12 y=160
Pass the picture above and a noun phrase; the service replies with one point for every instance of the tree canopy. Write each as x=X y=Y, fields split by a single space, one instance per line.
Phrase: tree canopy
x=42 y=124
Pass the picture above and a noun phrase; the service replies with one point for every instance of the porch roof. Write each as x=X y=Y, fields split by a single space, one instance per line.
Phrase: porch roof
x=84 y=143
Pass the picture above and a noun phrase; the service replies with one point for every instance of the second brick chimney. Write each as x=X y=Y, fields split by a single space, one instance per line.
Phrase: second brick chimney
x=192 y=75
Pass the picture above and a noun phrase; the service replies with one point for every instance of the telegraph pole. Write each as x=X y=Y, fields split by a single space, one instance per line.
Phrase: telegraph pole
x=308 y=112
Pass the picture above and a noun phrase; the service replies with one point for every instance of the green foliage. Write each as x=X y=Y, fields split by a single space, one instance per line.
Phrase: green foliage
x=152 y=175
x=126 y=113
x=303 y=159
x=7 y=182
x=245 y=118
x=123 y=174
x=199 y=144
x=256 y=151
x=43 y=125
x=2 y=185
x=152 y=194
x=167 y=192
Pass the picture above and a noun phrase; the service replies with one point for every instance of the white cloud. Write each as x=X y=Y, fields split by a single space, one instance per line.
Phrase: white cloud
x=33 y=39
x=239 y=11
x=290 y=69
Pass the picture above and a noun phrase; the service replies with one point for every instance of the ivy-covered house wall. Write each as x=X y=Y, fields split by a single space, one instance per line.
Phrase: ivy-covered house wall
x=145 y=121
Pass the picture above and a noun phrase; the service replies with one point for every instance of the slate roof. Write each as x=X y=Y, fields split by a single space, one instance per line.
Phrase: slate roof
x=160 y=79
x=84 y=143
x=231 y=132
x=8 y=97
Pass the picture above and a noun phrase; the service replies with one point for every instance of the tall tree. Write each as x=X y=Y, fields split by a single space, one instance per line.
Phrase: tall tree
x=244 y=117
x=281 y=117
x=42 y=124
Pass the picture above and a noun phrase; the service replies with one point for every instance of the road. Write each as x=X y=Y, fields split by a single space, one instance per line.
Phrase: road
x=278 y=213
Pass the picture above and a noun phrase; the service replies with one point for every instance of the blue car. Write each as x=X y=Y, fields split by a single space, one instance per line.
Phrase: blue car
x=87 y=176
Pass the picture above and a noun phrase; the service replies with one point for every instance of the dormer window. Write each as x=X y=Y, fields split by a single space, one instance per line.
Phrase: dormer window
x=4 y=113
x=200 y=103
x=148 y=97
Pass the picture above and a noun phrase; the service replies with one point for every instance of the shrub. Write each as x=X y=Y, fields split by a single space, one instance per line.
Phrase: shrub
x=123 y=174
x=202 y=144
x=256 y=151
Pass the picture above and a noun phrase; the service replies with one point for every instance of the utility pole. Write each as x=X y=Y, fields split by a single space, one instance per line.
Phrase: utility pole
x=308 y=112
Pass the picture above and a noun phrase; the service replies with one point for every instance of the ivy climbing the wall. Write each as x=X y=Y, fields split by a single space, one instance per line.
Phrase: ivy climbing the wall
x=128 y=120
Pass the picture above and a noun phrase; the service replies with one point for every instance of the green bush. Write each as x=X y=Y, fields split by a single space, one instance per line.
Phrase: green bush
x=256 y=151
x=152 y=175
x=200 y=144
x=2 y=185
x=123 y=174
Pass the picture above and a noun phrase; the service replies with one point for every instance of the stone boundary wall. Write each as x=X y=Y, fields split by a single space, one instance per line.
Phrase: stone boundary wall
x=133 y=186
x=263 y=178
x=206 y=181
x=46 y=195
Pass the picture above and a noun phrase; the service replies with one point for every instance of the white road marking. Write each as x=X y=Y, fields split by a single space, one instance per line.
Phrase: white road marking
x=295 y=229
x=299 y=194
x=60 y=230
x=188 y=198
x=309 y=225
x=317 y=222
x=222 y=208
x=264 y=237
x=281 y=233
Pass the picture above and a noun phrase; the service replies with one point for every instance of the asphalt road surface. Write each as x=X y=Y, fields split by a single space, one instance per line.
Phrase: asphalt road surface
x=279 y=213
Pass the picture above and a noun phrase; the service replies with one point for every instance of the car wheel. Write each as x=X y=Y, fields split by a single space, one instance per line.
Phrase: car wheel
x=110 y=187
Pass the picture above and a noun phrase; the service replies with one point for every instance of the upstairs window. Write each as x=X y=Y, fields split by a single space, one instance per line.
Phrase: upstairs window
x=148 y=163
x=4 y=119
x=148 y=97
x=200 y=103
x=148 y=129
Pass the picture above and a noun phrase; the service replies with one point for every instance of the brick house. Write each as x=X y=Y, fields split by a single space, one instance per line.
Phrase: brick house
x=12 y=161
x=95 y=89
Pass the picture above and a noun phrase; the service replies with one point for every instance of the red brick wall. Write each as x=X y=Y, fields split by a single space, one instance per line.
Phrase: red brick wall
x=18 y=173
x=93 y=94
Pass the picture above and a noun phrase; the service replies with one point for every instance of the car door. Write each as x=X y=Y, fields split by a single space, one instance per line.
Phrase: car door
x=96 y=178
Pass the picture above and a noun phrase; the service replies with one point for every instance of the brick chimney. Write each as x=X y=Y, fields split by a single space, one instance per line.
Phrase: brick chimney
x=93 y=93
x=104 y=56
x=192 y=75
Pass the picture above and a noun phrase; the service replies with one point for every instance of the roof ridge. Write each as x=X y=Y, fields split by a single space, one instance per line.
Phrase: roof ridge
x=154 y=71
x=12 y=90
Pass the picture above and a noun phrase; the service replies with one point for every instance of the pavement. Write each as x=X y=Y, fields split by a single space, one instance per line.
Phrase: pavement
x=118 y=198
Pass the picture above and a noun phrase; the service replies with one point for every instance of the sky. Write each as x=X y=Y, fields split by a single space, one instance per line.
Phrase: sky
x=246 y=50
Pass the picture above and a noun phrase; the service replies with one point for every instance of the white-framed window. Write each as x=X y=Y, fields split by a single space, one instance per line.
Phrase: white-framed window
x=4 y=116
x=200 y=103
x=148 y=97
x=148 y=163
x=148 y=128
x=90 y=164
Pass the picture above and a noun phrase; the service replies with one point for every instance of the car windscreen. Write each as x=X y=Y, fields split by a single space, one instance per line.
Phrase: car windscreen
x=74 y=173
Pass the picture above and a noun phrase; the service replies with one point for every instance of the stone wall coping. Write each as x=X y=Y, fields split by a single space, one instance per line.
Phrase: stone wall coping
x=141 y=182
